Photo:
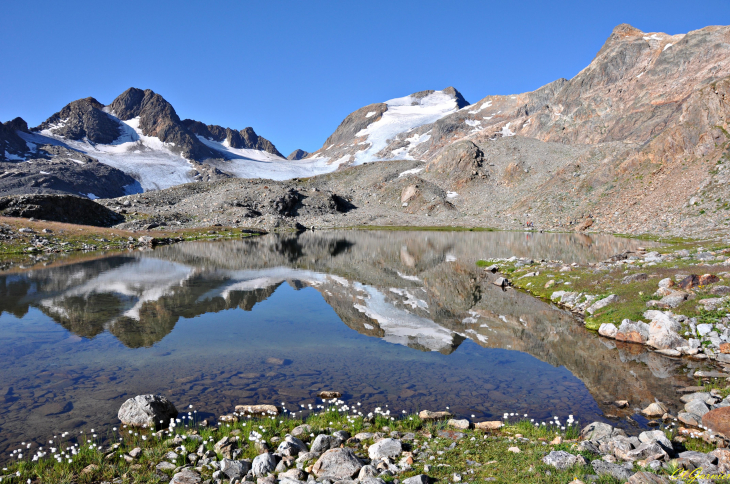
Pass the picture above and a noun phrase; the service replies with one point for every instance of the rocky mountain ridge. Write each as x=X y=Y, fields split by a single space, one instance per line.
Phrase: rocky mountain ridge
x=637 y=142
x=138 y=136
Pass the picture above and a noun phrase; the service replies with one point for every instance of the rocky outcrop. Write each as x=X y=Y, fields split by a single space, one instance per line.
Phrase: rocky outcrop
x=59 y=208
x=59 y=170
x=83 y=119
x=158 y=118
x=12 y=146
x=245 y=138
x=297 y=155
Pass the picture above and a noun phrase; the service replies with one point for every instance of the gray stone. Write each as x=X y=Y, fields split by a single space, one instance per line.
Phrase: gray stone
x=234 y=469
x=186 y=476
x=644 y=477
x=302 y=431
x=324 y=442
x=337 y=463
x=305 y=457
x=385 y=448
x=602 y=303
x=689 y=419
x=152 y=411
x=165 y=466
x=367 y=471
x=608 y=330
x=603 y=468
x=703 y=329
x=459 y=424
x=599 y=431
x=371 y=480
x=343 y=435
x=419 y=479
x=703 y=396
x=697 y=407
x=560 y=459
x=263 y=464
x=655 y=436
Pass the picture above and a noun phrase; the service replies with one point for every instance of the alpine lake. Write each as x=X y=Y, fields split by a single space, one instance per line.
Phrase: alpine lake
x=402 y=320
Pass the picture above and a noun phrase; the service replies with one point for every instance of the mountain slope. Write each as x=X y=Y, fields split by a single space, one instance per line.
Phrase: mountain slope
x=141 y=136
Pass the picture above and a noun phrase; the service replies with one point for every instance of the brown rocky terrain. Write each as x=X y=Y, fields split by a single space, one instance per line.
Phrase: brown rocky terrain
x=637 y=143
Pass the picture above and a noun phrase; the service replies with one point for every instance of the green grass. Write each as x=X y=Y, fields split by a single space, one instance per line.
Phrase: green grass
x=477 y=455
x=633 y=297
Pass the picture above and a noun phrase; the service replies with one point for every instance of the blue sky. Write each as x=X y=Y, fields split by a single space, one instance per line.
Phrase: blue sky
x=294 y=69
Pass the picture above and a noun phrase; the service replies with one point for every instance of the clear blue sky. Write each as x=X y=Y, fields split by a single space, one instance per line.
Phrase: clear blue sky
x=294 y=69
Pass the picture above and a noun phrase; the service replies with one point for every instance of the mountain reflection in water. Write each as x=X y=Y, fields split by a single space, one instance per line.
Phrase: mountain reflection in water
x=260 y=320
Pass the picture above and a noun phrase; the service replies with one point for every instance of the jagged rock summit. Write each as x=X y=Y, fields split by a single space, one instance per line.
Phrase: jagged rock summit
x=141 y=140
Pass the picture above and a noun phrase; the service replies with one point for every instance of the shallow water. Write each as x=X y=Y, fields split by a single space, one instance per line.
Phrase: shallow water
x=403 y=319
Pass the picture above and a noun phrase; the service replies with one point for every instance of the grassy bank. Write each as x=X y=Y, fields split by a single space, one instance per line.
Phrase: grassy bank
x=437 y=450
x=24 y=242
x=543 y=279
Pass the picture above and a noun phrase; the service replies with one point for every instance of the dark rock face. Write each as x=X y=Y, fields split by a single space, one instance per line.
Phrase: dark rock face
x=246 y=138
x=59 y=208
x=297 y=155
x=57 y=170
x=81 y=119
x=158 y=118
x=10 y=142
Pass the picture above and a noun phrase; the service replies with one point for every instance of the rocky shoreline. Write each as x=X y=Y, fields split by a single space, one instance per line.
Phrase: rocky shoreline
x=340 y=443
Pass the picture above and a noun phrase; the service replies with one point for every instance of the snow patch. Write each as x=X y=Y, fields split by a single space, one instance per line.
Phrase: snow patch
x=652 y=37
x=371 y=114
x=12 y=157
x=451 y=194
x=412 y=171
x=506 y=131
x=403 y=114
x=473 y=123
x=484 y=106
x=666 y=47
x=91 y=196
x=407 y=277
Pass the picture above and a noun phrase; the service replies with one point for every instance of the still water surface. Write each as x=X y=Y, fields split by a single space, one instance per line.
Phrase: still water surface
x=403 y=319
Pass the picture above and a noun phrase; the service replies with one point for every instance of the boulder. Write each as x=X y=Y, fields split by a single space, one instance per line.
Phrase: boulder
x=644 y=477
x=263 y=465
x=385 y=448
x=666 y=282
x=186 y=476
x=257 y=409
x=491 y=425
x=634 y=332
x=337 y=464
x=324 y=442
x=560 y=459
x=697 y=407
x=153 y=411
x=302 y=431
x=635 y=278
x=608 y=330
x=663 y=335
x=718 y=420
x=689 y=419
x=459 y=424
x=655 y=409
x=707 y=279
x=419 y=479
x=603 y=468
x=234 y=469
x=602 y=303
x=599 y=431
x=429 y=415
x=329 y=395
x=655 y=436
